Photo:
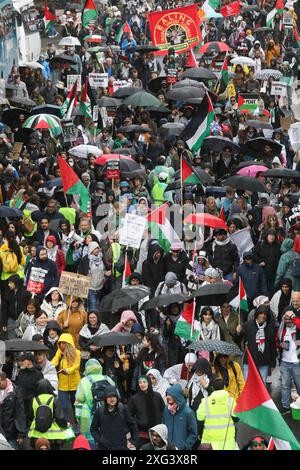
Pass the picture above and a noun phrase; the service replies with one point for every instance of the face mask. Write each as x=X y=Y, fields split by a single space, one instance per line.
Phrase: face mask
x=173 y=408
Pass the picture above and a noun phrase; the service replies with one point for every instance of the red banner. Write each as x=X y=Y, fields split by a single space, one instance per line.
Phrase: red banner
x=178 y=28
x=232 y=9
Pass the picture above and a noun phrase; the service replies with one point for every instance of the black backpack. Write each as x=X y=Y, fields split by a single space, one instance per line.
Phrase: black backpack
x=98 y=392
x=44 y=415
x=295 y=270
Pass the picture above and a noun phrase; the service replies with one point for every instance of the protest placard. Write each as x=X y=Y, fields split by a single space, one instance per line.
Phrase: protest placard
x=171 y=76
x=74 y=284
x=131 y=230
x=71 y=79
x=113 y=169
x=16 y=150
x=119 y=84
x=98 y=80
x=36 y=281
x=278 y=89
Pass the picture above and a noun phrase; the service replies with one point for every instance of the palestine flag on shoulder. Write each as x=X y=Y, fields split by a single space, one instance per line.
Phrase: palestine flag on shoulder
x=248 y=102
x=89 y=13
x=49 y=18
x=161 y=228
x=125 y=28
x=188 y=176
x=72 y=184
x=256 y=408
x=187 y=327
x=199 y=126
x=70 y=102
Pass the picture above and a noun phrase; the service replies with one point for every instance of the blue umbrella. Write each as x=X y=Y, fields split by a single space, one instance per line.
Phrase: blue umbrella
x=53 y=183
x=10 y=212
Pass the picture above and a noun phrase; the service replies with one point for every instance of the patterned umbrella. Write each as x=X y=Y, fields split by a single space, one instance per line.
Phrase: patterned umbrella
x=44 y=121
x=216 y=345
x=214 y=46
x=265 y=74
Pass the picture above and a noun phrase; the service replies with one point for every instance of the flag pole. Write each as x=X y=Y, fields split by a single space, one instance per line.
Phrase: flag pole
x=181 y=182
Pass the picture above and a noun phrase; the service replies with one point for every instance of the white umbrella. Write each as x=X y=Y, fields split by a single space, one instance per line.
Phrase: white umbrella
x=82 y=151
x=69 y=41
x=33 y=65
x=243 y=61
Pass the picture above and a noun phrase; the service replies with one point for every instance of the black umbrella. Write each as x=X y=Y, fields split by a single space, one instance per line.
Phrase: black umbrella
x=127 y=151
x=155 y=84
x=256 y=124
x=199 y=73
x=245 y=182
x=218 y=143
x=125 y=297
x=189 y=82
x=184 y=93
x=62 y=59
x=212 y=294
x=282 y=173
x=163 y=110
x=250 y=8
x=19 y=100
x=147 y=48
x=126 y=91
x=19 y=345
x=10 y=212
x=114 y=339
x=256 y=146
x=53 y=183
x=134 y=128
x=164 y=300
x=217 y=346
x=11 y=116
x=264 y=29
x=46 y=109
x=107 y=102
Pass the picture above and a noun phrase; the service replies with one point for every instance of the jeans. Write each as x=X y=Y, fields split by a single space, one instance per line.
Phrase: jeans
x=92 y=301
x=289 y=371
x=263 y=370
x=67 y=400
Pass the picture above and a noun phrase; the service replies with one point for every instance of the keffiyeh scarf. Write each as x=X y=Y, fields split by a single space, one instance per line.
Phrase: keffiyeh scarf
x=260 y=337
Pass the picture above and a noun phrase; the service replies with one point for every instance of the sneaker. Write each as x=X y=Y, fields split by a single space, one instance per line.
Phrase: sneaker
x=285 y=411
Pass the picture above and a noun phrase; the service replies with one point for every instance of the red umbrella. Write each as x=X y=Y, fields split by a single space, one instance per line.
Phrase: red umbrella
x=205 y=219
x=111 y=156
x=214 y=45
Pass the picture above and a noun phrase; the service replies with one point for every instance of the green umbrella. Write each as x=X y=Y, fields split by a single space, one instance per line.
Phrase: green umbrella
x=142 y=98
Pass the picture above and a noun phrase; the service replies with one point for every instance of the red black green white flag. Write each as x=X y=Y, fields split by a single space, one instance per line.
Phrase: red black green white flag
x=86 y=102
x=126 y=273
x=49 y=17
x=224 y=79
x=247 y=102
x=89 y=13
x=188 y=176
x=72 y=184
x=199 y=126
x=70 y=102
x=279 y=8
x=125 y=28
x=256 y=408
x=187 y=327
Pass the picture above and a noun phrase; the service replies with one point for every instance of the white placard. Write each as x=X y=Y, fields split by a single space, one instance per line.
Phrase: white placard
x=71 y=79
x=95 y=113
x=119 y=84
x=278 y=89
x=98 y=80
x=294 y=135
x=242 y=240
x=132 y=230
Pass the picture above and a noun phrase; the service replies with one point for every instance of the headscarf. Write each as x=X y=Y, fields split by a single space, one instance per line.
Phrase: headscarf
x=4 y=393
x=284 y=300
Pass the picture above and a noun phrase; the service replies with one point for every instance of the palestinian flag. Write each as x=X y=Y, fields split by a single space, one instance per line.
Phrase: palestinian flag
x=70 y=102
x=85 y=104
x=233 y=9
x=214 y=4
x=224 y=79
x=247 y=102
x=72 y=184
x=161 y=228
x=125 y=28
x=187 y=327
x=126 y=273
x=256 y=408
x=279 y=7
x=187 y=174
x=240 y=301
x=89 y=13
x=199 y=126
x=296 y=35
x=49 y=18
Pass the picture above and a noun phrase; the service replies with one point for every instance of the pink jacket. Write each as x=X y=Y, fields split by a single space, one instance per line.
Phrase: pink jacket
x=120 y=327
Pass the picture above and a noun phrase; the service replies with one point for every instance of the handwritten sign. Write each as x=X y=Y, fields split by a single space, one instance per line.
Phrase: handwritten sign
x=278 y=89
x=132 y=230
x=71 y=79
x=98 y=80
x=74 y=284
x=16 y=150
x=36 y=281
x=113 y=169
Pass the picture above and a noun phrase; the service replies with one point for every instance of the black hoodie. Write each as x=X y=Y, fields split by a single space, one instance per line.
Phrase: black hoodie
x=52 y=324
x=13 y=302
x=153 y=273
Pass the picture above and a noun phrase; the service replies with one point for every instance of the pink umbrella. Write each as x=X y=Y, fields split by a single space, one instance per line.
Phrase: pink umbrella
x=251 y=170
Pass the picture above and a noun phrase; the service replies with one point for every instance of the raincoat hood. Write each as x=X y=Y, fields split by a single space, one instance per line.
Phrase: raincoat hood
x=53 y=289
x=16 y=279
x=177 y=394
x=93 y=367
x=51 y=238
x=111 y=390
x=92 y=246
x=66 y=338
x=154 y=246
x=44 y=387
x=128 y=315
x=156 y=374
x=162 y=431
x=287 y=245
x=52 y=325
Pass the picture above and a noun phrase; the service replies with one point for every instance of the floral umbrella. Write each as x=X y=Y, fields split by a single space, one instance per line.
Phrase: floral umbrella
x=44 y=121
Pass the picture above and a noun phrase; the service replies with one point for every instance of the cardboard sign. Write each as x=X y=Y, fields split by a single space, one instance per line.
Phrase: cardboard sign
x=16 y=150
x=71 y=79
x=171 y=76
x=98 y=80
x=74 y=284
x=113 y=170
x=132 y=230
x=278 y=89
x=36 y=281
x=119 y=84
